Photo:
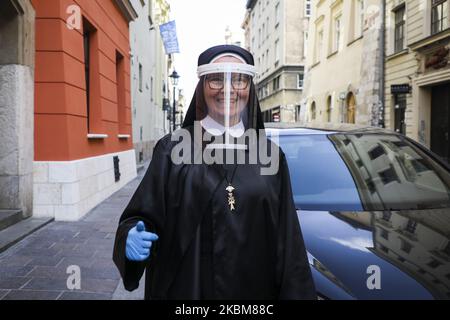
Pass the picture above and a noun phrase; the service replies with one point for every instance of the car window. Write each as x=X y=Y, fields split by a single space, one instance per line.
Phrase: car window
x=391 y=173
x=319 y=177
x=356 y=172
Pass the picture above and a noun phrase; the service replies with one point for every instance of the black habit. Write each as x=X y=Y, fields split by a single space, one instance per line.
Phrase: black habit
x=206 y=251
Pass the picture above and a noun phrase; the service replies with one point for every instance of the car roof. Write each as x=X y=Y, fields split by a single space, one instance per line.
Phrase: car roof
x=322 y=128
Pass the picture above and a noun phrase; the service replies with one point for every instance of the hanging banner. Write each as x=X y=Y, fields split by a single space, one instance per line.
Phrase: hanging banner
x=169 y=37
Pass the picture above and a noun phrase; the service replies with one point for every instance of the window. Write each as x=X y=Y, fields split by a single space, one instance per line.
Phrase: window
x=313 y=111
x=267 y=59
x=305 y=43
x=259 y=37
x=434 y=263
x=277 y=14
x=399 y=33
x=267 y=28
x=405 y=246
x=411 y=226
x=263 y=62
x=359 y=18
x=447 y=249
x=384 y=234
x=151 y=89
x=388 y=175
x=263 y=32
x=120 y=90
x=387 y=216
x=297 y=112
x=300 y=79
x=277 y=50
x=376 y=152
x=87 y=65
x=337 y=33
x=319 y=45
x=90 y=50
x=140 y=77
x=439 y=15
x=276 y=84
x=399 y=113
x=328 y=111
x=307 y=8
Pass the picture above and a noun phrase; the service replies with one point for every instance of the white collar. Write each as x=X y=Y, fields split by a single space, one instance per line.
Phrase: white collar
x=216 y=129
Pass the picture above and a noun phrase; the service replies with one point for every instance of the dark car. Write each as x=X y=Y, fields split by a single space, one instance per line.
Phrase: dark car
x=374 y=207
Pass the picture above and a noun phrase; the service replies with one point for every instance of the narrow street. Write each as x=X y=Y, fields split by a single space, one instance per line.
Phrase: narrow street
x=36 y=267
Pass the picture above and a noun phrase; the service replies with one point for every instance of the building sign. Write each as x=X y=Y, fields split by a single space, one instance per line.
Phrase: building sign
x=400 y=89
x=169 y=37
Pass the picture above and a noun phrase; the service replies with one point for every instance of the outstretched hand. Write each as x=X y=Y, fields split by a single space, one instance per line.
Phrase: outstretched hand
x=139 y=243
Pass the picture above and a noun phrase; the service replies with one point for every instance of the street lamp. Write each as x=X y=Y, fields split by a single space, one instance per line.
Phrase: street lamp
x=174 y=76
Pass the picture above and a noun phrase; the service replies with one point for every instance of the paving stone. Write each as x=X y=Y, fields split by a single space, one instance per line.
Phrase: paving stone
x=46 y=261
x=84 y=296
x=7 y=272
x=32 y=295
x=53 y=284
x=13 y=282
x=48 y=272
x=15 y=261
x=3 y=293
x=98 y=285
x=36 y=267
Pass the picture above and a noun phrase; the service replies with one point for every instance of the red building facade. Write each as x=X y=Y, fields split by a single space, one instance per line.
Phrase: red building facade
x=82 y=142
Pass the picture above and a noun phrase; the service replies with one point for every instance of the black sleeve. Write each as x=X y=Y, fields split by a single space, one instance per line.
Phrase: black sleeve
x=293 y=271
x=149 y=205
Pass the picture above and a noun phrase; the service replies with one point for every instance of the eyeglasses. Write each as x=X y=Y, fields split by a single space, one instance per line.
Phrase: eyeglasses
x=238 y=81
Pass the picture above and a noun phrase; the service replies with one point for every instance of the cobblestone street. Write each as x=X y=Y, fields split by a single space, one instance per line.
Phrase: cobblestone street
x=36 y=267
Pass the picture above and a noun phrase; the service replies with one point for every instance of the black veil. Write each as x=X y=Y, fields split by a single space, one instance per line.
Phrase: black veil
x=251 y=115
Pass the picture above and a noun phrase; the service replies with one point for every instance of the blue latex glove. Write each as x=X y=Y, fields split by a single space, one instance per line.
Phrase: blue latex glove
x=139 y=243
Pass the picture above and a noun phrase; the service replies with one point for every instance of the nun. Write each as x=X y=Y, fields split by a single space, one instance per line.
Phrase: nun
x=207 y=230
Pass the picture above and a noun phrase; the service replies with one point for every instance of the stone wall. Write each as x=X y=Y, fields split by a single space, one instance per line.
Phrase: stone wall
x=16 y=105
x=67 y=190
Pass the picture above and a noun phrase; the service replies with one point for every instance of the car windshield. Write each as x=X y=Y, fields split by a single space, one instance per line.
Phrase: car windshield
x=363 y=172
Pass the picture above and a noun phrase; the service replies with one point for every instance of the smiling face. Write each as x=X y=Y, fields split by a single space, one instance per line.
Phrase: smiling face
x=215 y=94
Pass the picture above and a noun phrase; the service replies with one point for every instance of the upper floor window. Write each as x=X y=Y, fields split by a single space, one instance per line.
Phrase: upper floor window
x=305 y=43
x=300 y=80
x=307 y=8
x=337 y=33
x=439 y=15
x=277 y=50
x=277 y=14
x=319 y=45
x=359 y=18
x=399 y=38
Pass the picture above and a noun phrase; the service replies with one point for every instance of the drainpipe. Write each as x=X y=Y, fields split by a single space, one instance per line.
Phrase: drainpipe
x=382 y=98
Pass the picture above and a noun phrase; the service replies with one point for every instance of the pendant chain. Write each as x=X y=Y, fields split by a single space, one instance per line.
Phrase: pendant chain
x=230 y=188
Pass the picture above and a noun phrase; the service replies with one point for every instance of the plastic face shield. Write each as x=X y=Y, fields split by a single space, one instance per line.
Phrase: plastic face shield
x=226 y=88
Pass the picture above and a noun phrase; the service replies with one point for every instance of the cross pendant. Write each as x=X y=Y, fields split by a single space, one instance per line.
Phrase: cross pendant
x=231 y=199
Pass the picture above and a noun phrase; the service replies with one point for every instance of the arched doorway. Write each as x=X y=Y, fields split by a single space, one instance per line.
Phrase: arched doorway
x=313 y=111
x=328 y=111
x=16 y=108
x=351 y=108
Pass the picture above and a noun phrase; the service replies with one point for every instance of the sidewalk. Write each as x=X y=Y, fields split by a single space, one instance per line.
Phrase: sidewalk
x=36 y=267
